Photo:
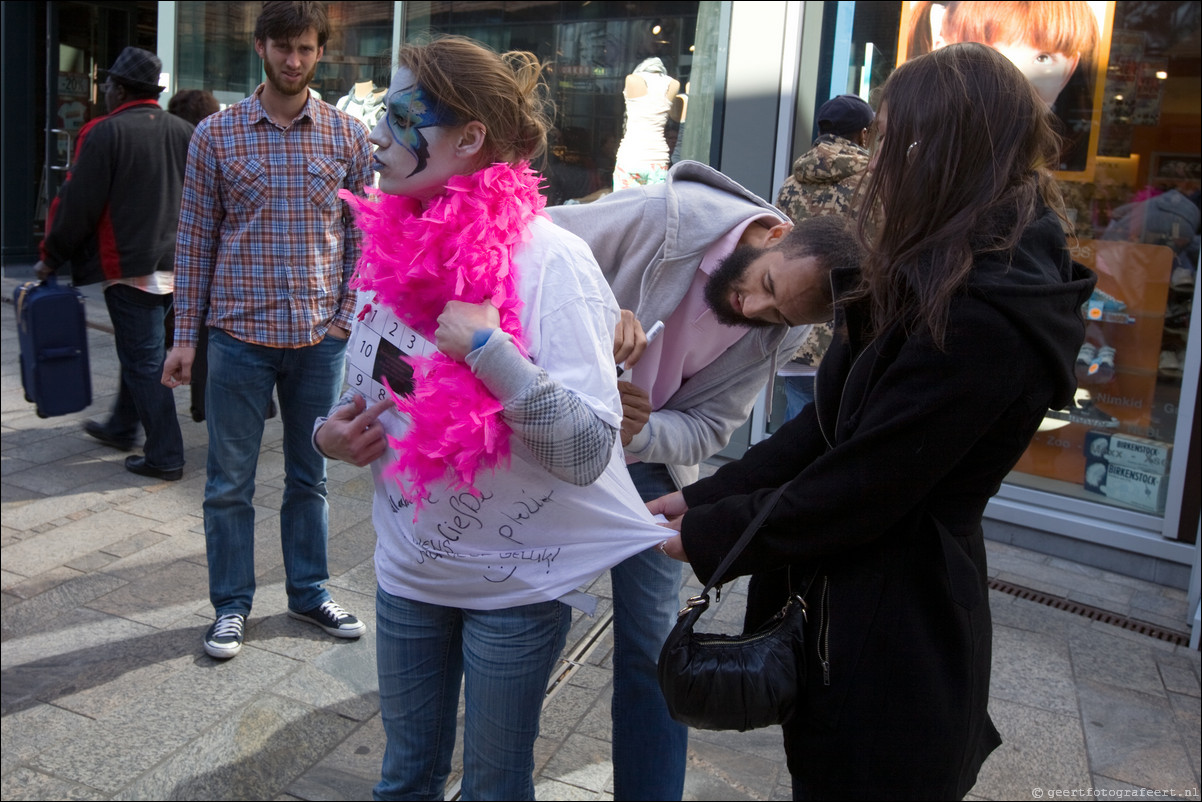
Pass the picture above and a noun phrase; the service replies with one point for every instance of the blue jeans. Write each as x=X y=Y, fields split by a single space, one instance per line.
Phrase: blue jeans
x=241 y=378
x=142 y=399
x=799 y=391
x=505 y=658
x=649 y=748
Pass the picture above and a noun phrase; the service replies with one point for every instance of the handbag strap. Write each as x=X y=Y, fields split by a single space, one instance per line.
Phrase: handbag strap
x=743 y=540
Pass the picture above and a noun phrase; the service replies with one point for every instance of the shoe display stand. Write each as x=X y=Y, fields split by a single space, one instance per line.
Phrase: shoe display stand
x=1117 y=368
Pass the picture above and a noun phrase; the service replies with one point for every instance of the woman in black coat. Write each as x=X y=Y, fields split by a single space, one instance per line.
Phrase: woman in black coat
x=952 y=343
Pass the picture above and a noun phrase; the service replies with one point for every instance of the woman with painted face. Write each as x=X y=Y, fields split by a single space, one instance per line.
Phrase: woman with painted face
x=950 y=345
x=485 y=335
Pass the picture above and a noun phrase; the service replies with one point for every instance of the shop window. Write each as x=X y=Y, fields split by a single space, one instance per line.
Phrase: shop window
x=590 y=49
x=90 y=37
x=215 y=51
x=1130 y=112
x=1136 y=218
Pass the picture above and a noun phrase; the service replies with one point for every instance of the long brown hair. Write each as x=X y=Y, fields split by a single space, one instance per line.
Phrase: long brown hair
x=962 y=169
x=503 y=91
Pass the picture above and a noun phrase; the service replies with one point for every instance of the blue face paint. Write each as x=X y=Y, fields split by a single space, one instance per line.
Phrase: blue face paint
x=409 y=111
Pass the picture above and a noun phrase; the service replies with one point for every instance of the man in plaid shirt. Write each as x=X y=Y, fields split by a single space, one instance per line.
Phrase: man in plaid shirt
x=265 y=253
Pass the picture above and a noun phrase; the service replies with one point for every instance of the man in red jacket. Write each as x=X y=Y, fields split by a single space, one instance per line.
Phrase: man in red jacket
x=114 y=221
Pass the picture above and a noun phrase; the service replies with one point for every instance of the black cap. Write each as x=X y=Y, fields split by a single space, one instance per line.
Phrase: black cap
x=137 y=68
x=845 y=116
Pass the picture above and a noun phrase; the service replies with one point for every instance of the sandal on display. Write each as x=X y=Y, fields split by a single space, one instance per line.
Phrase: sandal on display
x=1176 y=318
x=1085 y=358
x=1103 y=306
x=1101 y=368
x=1182 y=279
x=1082 y=410
x=1170 y=365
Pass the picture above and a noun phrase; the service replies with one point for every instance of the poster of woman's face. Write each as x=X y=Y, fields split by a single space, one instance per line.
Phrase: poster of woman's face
x=1060 y=46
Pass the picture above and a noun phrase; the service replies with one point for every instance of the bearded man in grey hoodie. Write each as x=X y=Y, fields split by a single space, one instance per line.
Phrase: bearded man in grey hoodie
x=737 y=288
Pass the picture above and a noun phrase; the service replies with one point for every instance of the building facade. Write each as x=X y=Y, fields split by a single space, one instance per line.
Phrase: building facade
x=1112 y=482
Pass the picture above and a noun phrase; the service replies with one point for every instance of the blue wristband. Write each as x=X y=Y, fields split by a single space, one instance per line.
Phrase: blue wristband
x=481 y=337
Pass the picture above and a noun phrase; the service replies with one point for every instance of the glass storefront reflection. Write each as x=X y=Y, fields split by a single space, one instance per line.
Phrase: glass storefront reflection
x=1130 y=176
x=590 y=48
x=1136 y=217
x=216 y=50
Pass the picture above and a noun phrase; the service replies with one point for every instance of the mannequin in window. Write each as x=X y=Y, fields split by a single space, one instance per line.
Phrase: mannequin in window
x=643 y=154
x=365 y=102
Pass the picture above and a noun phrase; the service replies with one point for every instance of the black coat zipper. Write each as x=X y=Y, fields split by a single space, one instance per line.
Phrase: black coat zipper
x=824 y=630
x=831 y=437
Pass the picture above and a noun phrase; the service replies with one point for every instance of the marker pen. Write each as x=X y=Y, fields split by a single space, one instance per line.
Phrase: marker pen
x=656 y=329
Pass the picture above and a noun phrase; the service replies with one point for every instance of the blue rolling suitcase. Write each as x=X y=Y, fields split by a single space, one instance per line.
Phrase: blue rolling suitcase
x=54 y=347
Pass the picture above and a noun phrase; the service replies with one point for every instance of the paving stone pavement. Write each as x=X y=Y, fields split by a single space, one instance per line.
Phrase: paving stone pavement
x=107 y=694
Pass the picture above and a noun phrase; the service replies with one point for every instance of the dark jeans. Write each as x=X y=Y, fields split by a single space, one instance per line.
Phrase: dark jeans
x=799 y=391
x=200 y=377
x=649 y=748
x=241 y=378
x=138 y=332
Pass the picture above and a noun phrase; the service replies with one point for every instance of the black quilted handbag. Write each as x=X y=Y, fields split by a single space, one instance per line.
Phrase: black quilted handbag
x=735 y=682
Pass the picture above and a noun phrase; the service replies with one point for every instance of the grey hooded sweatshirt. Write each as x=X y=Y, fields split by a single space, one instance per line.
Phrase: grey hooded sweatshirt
x=650 y=242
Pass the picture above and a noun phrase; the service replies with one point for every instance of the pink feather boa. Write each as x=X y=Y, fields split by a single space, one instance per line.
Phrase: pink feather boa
x=460 y=248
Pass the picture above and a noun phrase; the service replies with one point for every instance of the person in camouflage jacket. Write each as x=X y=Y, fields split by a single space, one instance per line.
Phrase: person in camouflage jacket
x=824 y=181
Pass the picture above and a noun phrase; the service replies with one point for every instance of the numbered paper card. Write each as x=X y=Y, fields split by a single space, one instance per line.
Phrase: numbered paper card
x=378 y=343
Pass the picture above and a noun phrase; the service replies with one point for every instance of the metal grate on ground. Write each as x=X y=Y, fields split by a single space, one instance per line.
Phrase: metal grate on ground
x=1092 y=613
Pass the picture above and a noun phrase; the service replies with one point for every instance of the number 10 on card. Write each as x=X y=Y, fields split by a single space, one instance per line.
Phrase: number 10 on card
x=377 y=350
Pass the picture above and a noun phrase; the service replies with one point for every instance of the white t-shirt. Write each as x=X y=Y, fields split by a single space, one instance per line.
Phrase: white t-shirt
x=527 y=537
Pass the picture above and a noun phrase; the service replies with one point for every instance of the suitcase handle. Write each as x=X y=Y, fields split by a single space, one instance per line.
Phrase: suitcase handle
x=66 y=352
x=51 y=280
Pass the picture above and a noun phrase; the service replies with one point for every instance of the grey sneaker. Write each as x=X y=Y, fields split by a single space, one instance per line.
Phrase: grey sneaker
x=224 y=638
x=333 y=619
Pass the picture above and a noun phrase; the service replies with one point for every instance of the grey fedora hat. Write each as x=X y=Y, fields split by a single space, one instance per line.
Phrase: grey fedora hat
x=136 y=67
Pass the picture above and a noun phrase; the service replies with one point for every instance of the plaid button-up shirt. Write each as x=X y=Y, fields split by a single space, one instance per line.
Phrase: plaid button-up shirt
x=266 y=247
